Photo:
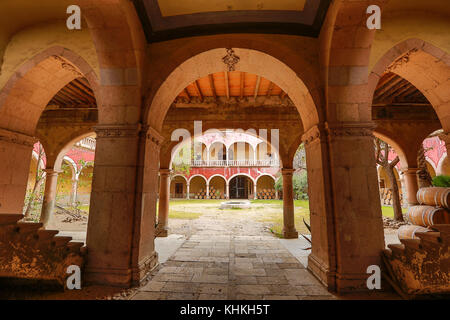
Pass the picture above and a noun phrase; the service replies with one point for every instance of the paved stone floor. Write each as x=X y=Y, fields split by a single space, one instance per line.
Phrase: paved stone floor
x=231 y=257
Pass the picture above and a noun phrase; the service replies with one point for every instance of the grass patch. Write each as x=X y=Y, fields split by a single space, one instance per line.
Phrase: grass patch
x=389 y=211
x=173 y=214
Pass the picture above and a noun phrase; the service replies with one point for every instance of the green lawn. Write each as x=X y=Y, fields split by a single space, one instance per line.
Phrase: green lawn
x=389 y=211
x=268 y=211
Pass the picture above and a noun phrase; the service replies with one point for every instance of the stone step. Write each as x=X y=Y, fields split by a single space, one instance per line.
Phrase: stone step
x=433 y=237
x=28 y=227
x=9 y=218
x=414 y=244
x=46 y=235
x=61 y=241
x=397 y=248
x=75 y=246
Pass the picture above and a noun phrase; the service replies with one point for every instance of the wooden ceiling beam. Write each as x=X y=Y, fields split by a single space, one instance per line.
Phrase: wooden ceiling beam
x=241 y=90
x=83 y=91
x=392 y=90
x=197 y=89
x=187 y=94
x=258 y=82
x=379 y=92
x=77 y=95
x=227 y=85
x=395 y=91
x=269 y=91
x=213 y=88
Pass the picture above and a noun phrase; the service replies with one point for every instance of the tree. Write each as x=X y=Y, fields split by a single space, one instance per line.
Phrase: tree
x=424 y=176
x=39 y=178
x=300 y=158
x=382 y=157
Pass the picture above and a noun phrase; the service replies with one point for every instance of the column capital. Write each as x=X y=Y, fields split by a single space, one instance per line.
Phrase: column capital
x=51 y=171
x=287 y=171
x=17 y=138
x=165 y=172
x=409 y=170
x=117 y=131
x=151 y=134
x=314 y=133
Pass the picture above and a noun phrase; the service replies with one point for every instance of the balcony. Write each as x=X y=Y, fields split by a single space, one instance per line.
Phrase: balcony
x=235 y=163
x=87 y=143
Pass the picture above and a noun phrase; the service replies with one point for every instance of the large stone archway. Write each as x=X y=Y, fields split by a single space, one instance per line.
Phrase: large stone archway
x=22 y=101
x=250 y=61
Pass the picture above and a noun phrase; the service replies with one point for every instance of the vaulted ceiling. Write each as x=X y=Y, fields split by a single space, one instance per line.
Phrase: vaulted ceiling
x=170 y=19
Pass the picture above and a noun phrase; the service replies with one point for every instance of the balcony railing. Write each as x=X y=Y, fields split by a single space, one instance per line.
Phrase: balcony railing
x=235 y=163
x=87 y=143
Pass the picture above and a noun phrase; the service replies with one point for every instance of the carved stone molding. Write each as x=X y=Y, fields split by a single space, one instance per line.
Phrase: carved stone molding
x=117 y=131
x=231 y=59
x=67 y=66
x=313 y=134
x=165 y=172
x=349 y=129
x=402 y=60
x=17 y=138
x=153 y=135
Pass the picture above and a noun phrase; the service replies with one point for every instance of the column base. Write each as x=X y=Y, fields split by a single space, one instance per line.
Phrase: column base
x=144 y=268
x=322 y=273
x=290 y=234
x=162 y=232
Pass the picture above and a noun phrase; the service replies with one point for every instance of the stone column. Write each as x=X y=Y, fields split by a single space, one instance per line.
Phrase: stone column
x=412 y=185
x=289 y=231
x=254 y=191
x=15 y=158
x=227 y=195
x=187 y=190
x=207 y=190
x=346 y=221
x=164 y=198
x=74 y=195
x=121 y=224
x=48 y=204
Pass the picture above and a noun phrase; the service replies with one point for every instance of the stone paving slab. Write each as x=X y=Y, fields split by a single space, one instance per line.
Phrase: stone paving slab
x=218 y=262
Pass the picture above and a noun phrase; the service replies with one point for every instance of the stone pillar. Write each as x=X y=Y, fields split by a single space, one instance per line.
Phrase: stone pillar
x=48 y=204
x=345 y=210
x=187 y=190
x=15 y=159
x=164 y=198
x=254 y=191
x=207 y=190
x=121 y=224
x=227 y=195
x=289 y=231
x=74 y=195
x=412 y=185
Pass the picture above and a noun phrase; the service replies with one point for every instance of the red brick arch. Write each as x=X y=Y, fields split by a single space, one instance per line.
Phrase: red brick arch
x=34 y=84
x=425 y=66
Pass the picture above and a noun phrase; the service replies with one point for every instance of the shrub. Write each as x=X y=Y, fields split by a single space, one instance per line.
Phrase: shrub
x=441 y=181
x=300 y=185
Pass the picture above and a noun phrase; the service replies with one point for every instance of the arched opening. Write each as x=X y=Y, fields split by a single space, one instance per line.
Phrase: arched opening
x=197 y=187
x=178 y=187
x=241 y=187
x=265 y=187
x=217 y=187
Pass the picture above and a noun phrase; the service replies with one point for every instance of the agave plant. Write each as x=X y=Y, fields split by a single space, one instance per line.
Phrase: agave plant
x=306 y=238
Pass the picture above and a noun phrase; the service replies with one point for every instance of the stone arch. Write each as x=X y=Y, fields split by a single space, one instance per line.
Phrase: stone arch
x=68 y=145
x=237 y=155
x=31 y=87
x=197 y=175
x=424 y=66
x=173 y=181
x=265 y=175
x=405 y=159
x=194 y=189
x=252 y=61
x=220 y=187
x=73 y=166
x=241 y=174
x=217 y=147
